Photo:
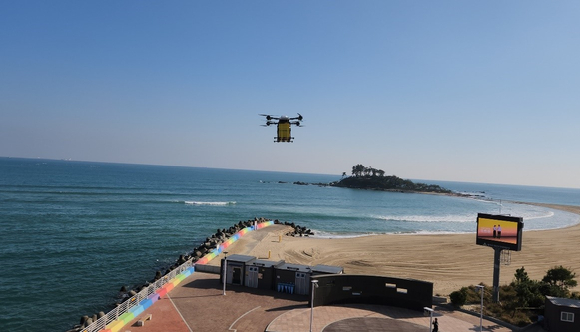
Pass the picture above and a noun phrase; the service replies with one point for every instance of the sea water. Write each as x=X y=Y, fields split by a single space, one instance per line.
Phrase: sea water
x=73 y=233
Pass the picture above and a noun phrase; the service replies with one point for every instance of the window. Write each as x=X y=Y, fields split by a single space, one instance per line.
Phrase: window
x=567 y=316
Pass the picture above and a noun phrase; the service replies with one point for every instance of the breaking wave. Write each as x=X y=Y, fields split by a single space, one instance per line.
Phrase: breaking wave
x=210 y=203
x=428 y=218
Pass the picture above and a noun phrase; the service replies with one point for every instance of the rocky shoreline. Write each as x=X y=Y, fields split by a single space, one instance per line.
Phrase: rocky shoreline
x=208 y=245
x=403 y=191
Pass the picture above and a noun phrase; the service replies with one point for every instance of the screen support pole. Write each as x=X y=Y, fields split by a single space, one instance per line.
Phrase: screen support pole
x=496 y=265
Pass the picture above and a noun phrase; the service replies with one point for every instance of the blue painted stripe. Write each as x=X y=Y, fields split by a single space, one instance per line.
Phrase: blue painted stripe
x=136 y=310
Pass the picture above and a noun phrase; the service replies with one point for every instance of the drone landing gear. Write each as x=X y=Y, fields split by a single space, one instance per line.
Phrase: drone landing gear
x=283 y=139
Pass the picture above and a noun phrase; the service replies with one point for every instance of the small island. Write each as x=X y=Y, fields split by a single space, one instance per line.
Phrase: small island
x=375 y=179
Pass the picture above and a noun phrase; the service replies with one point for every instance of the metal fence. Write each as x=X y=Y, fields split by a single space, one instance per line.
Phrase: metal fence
x=131 y=302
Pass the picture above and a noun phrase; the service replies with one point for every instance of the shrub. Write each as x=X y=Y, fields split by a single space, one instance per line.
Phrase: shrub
x=459 y=297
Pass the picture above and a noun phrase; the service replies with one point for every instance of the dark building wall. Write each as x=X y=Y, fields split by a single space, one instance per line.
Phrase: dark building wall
x=267 y=281
x=285 y=276
x=344 y=288
x=294 y=281
x=553 y=321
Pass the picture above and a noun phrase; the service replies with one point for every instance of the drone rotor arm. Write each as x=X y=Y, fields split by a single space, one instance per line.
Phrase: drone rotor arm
x=299 y=117
x=269 y=117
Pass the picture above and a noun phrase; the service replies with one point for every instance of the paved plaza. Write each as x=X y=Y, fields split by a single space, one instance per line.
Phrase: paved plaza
x=198 y=304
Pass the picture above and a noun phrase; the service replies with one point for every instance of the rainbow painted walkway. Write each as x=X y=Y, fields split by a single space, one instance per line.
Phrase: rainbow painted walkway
x=136 y=310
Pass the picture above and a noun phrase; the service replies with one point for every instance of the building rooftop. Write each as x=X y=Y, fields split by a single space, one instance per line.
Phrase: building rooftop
x=294 y=267
x=327 y=269
x=241 y=258
x=564 y=302
x=265 y=263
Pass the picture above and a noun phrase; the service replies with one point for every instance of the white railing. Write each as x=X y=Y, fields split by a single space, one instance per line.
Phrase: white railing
x=101 y=323
x=131 y=302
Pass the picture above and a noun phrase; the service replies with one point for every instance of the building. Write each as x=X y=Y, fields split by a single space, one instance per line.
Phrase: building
x=276 y=275
x=562 y=315
x=293 y=278
x=261 y=273
x=236 y=269
x=344 y=288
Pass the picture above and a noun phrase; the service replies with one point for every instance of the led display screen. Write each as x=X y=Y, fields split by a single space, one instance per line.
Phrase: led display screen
x=499 y=231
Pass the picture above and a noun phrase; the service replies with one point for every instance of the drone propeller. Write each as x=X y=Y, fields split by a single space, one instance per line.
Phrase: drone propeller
x=269 y=117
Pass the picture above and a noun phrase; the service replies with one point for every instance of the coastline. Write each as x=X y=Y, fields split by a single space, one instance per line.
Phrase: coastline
x=450 y=261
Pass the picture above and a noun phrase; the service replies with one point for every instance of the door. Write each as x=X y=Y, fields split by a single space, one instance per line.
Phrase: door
x=301 y=283
x=252 y=277
x=237 y=280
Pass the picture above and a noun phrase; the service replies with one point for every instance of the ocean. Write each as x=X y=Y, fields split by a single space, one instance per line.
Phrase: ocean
x=72 y=233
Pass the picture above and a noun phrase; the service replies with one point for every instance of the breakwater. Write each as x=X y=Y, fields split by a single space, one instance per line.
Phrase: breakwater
x=135 y=301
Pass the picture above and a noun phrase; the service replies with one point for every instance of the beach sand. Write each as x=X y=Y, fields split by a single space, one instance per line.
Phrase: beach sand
x=448 y=261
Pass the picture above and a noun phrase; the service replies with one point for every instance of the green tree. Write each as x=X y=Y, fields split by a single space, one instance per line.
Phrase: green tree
x=358 y=170
x=527 y=290
x=367 y=171
x=558 y=281
x=521 y=275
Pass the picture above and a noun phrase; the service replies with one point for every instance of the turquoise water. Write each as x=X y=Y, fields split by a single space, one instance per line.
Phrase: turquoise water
x=73 y=233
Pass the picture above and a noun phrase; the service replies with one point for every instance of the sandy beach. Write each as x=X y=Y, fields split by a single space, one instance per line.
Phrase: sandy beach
x=449 y=261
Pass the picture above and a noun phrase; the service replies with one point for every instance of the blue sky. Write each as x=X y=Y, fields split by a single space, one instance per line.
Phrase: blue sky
x=479 y=91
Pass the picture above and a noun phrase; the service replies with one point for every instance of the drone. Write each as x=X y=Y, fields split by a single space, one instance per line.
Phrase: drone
x=283 y=123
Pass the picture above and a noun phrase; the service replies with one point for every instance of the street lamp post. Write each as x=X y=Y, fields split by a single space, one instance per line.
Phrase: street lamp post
x=430 y=317
x=481 y=289
x=314 y=285
x=225 y=277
